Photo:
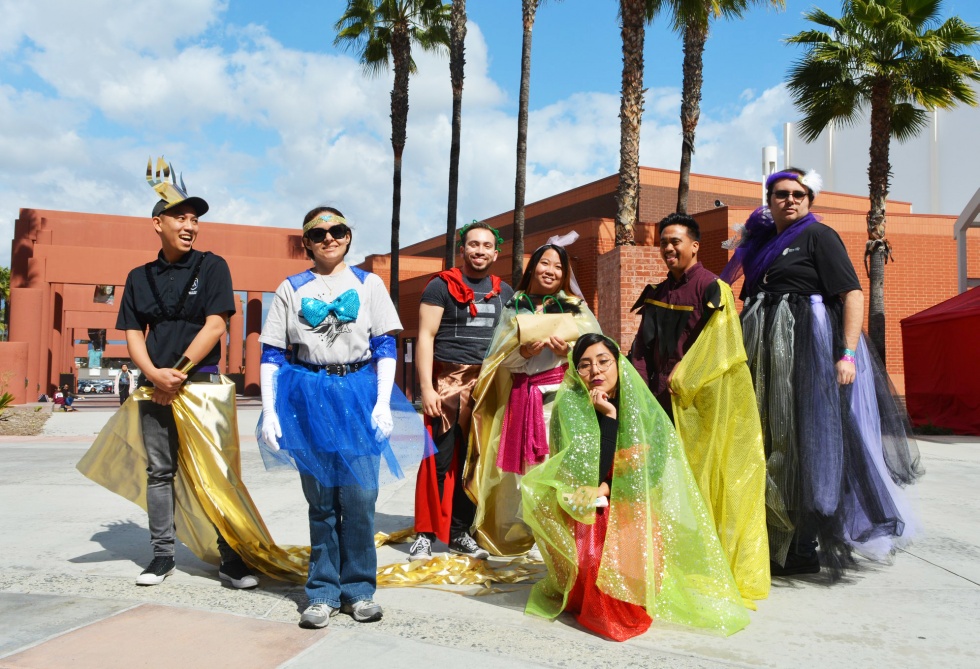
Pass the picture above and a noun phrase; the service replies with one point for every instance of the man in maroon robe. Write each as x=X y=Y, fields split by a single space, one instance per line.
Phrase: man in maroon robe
x=673 y=312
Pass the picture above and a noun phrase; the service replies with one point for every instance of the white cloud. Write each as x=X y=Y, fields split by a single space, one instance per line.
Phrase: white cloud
x=265 y=132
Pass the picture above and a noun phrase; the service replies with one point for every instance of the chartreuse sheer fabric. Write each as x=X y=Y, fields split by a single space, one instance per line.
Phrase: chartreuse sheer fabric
x=661 y=550
x=717 y=420
x=208 y=489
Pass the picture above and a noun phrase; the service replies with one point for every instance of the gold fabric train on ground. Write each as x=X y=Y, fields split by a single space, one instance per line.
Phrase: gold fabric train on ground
x=451 y=569
x=208 y=488
x=210 y=493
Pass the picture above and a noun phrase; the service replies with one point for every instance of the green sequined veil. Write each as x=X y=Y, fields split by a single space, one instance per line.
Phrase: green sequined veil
x=661 y=549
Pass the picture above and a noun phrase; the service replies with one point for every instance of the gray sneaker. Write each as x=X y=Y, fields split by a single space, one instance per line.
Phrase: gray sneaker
x=464 y=544
x=421 y=549
x=316 y=616
x=364 y=611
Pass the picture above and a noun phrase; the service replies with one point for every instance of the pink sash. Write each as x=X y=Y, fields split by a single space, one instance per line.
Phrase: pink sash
x=523 y=436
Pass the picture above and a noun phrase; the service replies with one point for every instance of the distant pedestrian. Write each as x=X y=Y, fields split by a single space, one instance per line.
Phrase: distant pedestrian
x=69 y=397
x=124 y=381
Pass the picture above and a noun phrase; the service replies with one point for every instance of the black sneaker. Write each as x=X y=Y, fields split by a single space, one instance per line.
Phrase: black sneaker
x=236 y=574
x=160 y=568
x=464 y=544
x=796 y=565
x=421 y=549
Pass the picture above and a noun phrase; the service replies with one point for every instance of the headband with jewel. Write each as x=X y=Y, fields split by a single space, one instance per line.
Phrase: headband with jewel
x=328 y=218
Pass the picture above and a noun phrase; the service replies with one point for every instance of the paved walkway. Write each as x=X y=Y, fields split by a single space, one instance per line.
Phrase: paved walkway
x=71 y=551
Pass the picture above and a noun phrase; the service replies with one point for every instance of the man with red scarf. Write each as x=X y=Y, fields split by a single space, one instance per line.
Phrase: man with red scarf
x=458 y=313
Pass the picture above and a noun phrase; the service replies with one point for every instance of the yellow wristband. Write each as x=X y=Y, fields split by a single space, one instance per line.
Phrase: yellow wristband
x=184 y=365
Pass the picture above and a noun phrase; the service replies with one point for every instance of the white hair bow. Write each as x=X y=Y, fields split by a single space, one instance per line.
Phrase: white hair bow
x=565 y=241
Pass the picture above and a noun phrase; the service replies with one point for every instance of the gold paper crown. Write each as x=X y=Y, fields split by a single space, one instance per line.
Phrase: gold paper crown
x=170 y=191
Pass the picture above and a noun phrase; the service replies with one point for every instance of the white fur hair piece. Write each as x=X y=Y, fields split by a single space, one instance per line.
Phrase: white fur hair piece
x=813 y=181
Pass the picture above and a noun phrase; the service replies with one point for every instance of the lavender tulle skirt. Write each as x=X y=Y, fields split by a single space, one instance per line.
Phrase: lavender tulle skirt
x=327 y=431
x=837 y=456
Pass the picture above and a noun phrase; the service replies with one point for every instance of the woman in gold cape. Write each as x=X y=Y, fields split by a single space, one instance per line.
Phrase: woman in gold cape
x=654 y=548
x=492 y=485
x=717 y=419
x=209 y=492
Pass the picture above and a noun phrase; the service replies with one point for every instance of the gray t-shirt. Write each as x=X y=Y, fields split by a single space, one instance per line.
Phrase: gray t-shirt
x=463 y=338
x=330 y=342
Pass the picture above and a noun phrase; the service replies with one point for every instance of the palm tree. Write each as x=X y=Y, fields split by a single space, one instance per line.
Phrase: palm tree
x=894 y=58
x=4 y=302
x=632 y=14
x=457 y=60
x=693 y=19
x=529 y=9
x=385 y=30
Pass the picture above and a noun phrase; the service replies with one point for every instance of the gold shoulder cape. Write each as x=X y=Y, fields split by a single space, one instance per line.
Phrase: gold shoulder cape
x=208 y=489
x=497 y=494
x=717 y=419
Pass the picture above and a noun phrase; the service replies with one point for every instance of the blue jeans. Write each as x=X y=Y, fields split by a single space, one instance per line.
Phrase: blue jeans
x=343 y=560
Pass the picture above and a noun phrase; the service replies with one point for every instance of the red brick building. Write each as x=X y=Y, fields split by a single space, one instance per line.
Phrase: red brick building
x=60 y=257
x=923 y=274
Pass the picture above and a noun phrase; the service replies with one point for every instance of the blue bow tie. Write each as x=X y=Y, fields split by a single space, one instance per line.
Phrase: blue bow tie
x=345 y=307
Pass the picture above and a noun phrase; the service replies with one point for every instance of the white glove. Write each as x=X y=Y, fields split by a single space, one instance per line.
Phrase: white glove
x=381 y=416
x=271 y=431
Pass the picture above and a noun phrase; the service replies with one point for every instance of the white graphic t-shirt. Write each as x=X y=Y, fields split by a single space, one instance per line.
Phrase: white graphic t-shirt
x=332 y=341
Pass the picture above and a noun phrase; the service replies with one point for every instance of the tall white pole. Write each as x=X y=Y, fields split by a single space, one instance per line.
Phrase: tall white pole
x=788 y=144
x=934 y=196
x=828 y=177
x=770 y=156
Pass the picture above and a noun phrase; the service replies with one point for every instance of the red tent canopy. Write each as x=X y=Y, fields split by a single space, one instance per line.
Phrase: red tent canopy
x=942 y=364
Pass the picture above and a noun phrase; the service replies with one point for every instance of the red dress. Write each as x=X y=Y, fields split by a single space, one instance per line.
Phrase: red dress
x=594 y=609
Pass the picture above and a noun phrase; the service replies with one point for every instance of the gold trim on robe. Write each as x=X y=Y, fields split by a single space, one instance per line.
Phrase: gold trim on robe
x=208 y=491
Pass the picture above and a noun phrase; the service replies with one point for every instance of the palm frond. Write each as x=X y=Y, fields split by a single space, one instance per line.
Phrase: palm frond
x=907 y=121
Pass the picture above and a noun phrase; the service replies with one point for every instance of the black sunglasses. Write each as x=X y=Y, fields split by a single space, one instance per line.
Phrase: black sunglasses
x=337 y=232
x=797 y=195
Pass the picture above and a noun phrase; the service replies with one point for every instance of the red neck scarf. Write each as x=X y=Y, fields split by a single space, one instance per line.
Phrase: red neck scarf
x=461 y=292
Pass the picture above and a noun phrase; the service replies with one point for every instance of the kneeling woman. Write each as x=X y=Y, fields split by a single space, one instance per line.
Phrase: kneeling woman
x=329 y=409
x=653 y=551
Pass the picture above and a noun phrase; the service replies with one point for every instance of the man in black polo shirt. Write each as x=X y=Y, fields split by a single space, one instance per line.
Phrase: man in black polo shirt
x=174 y=312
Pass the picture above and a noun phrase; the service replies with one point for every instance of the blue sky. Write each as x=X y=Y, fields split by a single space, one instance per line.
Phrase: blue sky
x=266 y=118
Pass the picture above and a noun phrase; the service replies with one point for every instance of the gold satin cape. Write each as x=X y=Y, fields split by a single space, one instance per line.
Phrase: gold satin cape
x=717 y=419
x=498 y=525
x=209 y=494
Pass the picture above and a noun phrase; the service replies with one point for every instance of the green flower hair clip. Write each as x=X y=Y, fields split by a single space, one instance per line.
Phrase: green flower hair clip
x=483 y=226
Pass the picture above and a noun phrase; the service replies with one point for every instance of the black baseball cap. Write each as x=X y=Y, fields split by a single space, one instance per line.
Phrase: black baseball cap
x=200 y=206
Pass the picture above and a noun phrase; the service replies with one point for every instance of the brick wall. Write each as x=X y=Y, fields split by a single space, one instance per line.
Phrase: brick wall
x=623 y=273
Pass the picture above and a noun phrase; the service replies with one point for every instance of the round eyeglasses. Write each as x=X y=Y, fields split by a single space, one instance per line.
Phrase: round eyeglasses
x=600 y=365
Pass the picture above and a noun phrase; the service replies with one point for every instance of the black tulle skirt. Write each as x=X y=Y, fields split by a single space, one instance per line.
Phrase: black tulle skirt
x=837 y=455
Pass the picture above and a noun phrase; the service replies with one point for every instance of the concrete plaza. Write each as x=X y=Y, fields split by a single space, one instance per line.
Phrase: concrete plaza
x=71 y=551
